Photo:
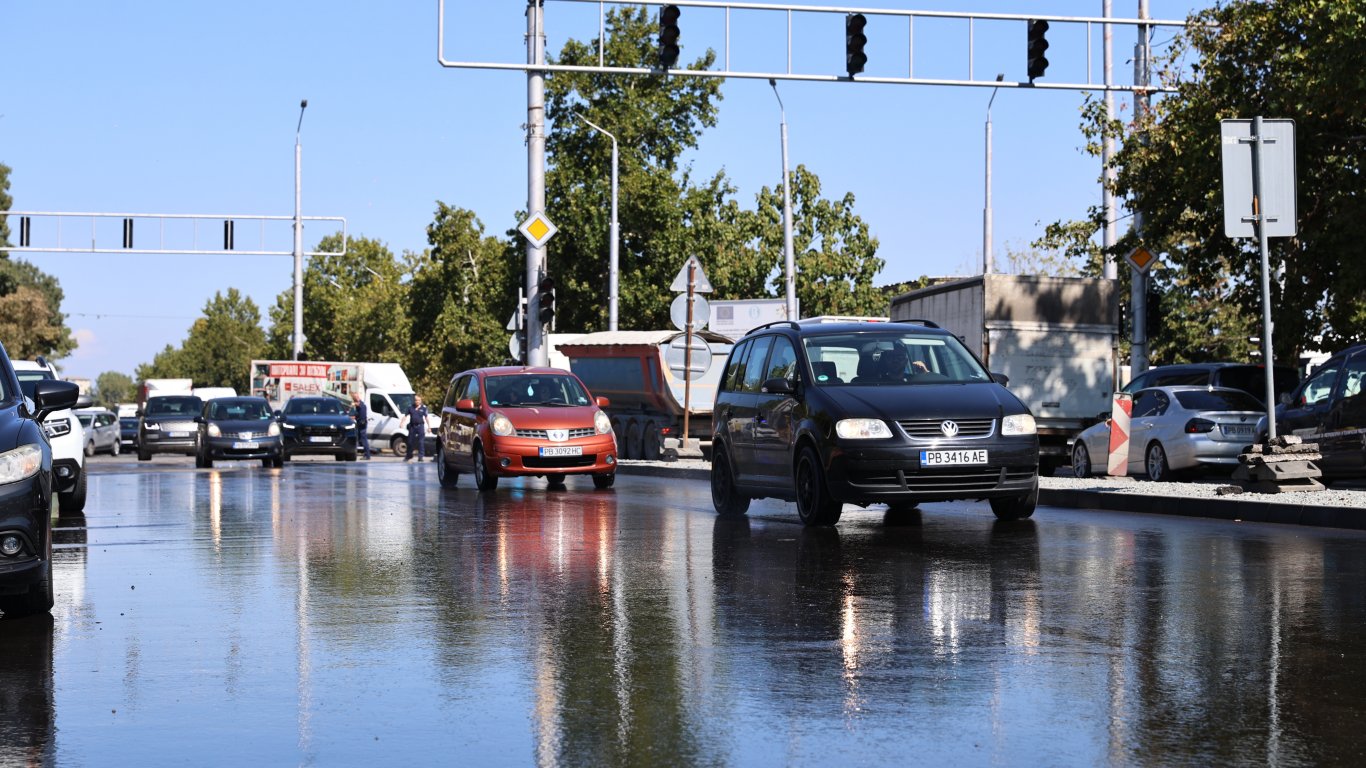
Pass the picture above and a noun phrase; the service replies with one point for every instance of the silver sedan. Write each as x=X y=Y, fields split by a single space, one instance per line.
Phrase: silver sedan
x=1174 y=429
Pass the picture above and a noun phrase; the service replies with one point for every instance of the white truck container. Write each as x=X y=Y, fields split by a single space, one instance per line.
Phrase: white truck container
x=208 y=393
x=150 y=387
x=383 y=386
x=1054 y=337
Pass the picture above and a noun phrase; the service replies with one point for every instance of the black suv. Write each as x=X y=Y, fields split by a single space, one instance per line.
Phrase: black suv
x=1249 y=377
x=26 y=490
x=826 y=414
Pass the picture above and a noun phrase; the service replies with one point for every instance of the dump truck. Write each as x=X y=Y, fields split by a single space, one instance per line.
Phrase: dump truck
x=641 y=374
x=1053 y=337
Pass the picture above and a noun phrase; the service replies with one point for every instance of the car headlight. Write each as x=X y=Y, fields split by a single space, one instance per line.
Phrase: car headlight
x=348 y=426
x=151 y=426
x=1019 y=424
x=289 y=426
x=862 y=429
x=601 y=423
x=57 y=428
x=273 y=430
x=20 y=463
x=501 y=425
x=214 y=431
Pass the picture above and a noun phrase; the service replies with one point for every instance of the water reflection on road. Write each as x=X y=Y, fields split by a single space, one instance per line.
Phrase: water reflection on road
x=357 y=613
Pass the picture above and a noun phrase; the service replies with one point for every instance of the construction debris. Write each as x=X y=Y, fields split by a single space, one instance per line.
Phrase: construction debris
x=1280 y=465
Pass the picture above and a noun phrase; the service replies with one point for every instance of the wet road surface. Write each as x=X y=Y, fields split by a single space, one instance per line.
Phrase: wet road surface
x=357 y=614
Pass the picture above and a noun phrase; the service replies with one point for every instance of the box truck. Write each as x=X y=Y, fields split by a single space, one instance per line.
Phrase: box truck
x=384 y=388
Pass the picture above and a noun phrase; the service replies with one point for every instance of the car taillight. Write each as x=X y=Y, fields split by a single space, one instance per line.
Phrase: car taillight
x=1197 y=426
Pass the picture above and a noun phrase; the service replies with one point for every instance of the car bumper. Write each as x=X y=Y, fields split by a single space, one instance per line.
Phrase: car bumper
x=154 y=442
x=862 y=474
x=507 y=457
x=303 y=445
x=24 y=510
x=1196 y=450
x=228 y=448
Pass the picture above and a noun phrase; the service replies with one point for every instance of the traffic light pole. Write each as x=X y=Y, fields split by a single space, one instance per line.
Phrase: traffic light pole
x=299 y=237
x=789 y=256
x=1107 y=150
x=537 y=349
x=1138 y=284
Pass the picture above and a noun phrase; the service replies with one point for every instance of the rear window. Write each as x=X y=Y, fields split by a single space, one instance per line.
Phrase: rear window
x=1218 y=400
x=1252 y=379
x=174 y=406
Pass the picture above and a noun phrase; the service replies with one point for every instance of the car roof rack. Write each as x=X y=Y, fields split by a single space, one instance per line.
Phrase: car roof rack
x=919 y=321
x=789 y=323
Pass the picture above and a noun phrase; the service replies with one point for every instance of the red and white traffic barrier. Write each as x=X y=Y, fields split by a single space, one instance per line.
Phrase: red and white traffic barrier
x=1120 y=412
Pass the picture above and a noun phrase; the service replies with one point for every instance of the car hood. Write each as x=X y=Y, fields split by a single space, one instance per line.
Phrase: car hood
x=548 y=416
x=317 y=420
x=981 y=400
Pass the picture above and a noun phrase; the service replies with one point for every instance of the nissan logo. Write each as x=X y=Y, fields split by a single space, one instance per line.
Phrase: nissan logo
x=949 y=428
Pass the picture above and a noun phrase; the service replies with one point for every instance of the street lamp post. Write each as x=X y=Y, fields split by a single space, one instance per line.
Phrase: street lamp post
x=987 y=261
x=299 y=237
x=789 y=258
x=612 y=269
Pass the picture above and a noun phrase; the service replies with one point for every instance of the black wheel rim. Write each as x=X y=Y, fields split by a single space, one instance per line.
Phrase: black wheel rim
x=479 y=466
x=806 y=490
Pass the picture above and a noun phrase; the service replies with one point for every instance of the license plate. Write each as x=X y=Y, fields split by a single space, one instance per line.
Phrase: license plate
x=177 y=434
x=245 y=446
x=944 y=458
x=1238 y=430
x=320 y=439
x=563 y=450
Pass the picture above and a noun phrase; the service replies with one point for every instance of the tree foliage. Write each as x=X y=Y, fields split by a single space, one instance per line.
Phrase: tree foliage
x=31 y=320
x=220 y=346
x=112 y=388
x=1296 y=59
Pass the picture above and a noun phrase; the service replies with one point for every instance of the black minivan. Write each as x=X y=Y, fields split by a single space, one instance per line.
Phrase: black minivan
x=826 y=414
x=1329 y=408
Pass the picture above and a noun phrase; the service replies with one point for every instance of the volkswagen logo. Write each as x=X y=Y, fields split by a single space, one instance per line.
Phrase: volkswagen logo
x=557 y=435
x=949 y=428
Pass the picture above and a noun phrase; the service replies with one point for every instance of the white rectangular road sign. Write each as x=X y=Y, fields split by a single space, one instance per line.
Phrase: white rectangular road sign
x=1278 y=177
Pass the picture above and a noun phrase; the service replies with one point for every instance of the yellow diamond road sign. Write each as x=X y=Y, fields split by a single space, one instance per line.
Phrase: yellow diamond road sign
x=538 y=229
x=1141 y=259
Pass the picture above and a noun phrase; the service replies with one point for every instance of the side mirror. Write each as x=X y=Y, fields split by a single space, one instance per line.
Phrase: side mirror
x=778 y=387
x=1001 y=378
x=464 y=405
x=603 y=402
x=50 y=395
x=84 y=401
x=199 y=419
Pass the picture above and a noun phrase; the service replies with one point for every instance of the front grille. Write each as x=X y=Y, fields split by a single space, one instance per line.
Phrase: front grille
x=933 y=429
x=541 y=434
x=318 y=431
x=558 y=462
x=940 y=480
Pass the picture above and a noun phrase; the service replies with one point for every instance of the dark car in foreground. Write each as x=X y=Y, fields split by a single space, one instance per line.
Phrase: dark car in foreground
x=239 y=428
x=1329 y=409
x=26 y=490
x=317 y=426
x=167 y=425
x=826 y=414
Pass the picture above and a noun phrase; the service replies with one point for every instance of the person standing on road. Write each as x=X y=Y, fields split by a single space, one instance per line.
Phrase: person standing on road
x=417 y=429
x=361 y=415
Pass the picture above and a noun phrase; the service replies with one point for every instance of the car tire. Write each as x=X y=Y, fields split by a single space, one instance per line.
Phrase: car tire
x=399 y=445
x=267 y=462
x=351 y=456
x=485 y=480
x=603 y=482
x=814 y=503
x=1155 y=460
x=649 y=441
x=446 y=476
x=278 y=462
x=89 y=448
x=338 y=457
x=116 y=450
x=208 y=460
x=198 y=461
x=74 y=499
x=144 y=455
x=1016 y=507
x=724 y=497
x=1081 y=459
x=40 y=596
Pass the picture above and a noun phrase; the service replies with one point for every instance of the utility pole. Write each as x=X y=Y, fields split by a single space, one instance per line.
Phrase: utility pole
x=1107 y=151
x=299 y=236
x=613 y=271
x=988 y=262
x=1138 y=294
x=789 y=257
x=537 y=351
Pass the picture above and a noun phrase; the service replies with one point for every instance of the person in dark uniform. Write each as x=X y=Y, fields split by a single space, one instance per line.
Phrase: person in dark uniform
x=361 y=415
x=417 y=429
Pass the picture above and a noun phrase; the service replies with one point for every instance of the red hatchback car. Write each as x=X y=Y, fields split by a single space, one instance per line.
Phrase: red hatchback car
x=511 y=421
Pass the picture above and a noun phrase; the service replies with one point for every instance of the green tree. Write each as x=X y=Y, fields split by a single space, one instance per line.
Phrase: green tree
x=355 y=306
x=31 y=320
x=1297 y=59
x=219 y=348
x=112 y=388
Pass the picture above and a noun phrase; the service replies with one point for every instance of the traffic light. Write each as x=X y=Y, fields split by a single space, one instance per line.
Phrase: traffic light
x=545 y=300
x=854 y=40
x=668 y=36
x=1036 y=47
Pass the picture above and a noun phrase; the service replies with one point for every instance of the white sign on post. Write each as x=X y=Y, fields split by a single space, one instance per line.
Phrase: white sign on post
x=1278 y=177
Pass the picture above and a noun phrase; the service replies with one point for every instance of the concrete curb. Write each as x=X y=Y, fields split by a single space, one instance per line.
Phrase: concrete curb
x=1240 y=508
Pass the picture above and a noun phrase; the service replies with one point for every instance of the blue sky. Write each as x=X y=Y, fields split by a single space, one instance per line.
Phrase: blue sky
x=191 y=108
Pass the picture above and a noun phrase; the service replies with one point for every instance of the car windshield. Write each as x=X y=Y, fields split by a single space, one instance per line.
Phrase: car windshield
x=524 y=389
x=890 y=356
x=186 y=406
x=239 y=410
x=128 y=421
x=311 y=406
x=29 y=379
x=1218 y=400
x=402 y=402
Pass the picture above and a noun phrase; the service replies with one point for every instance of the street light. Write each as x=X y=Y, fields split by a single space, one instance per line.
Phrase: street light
x=612 y=248
x=299 y=237
x=789 y=259
x=987 y=264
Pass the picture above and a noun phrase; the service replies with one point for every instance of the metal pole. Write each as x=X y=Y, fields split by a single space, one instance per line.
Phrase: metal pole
x=789 y=257
x=299 y=236
x=1259 y=217
x=687 y=354
x=988 y=261
x=1107 y=152
x=613 y=272
x=537 y=353
x=1138 y=293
